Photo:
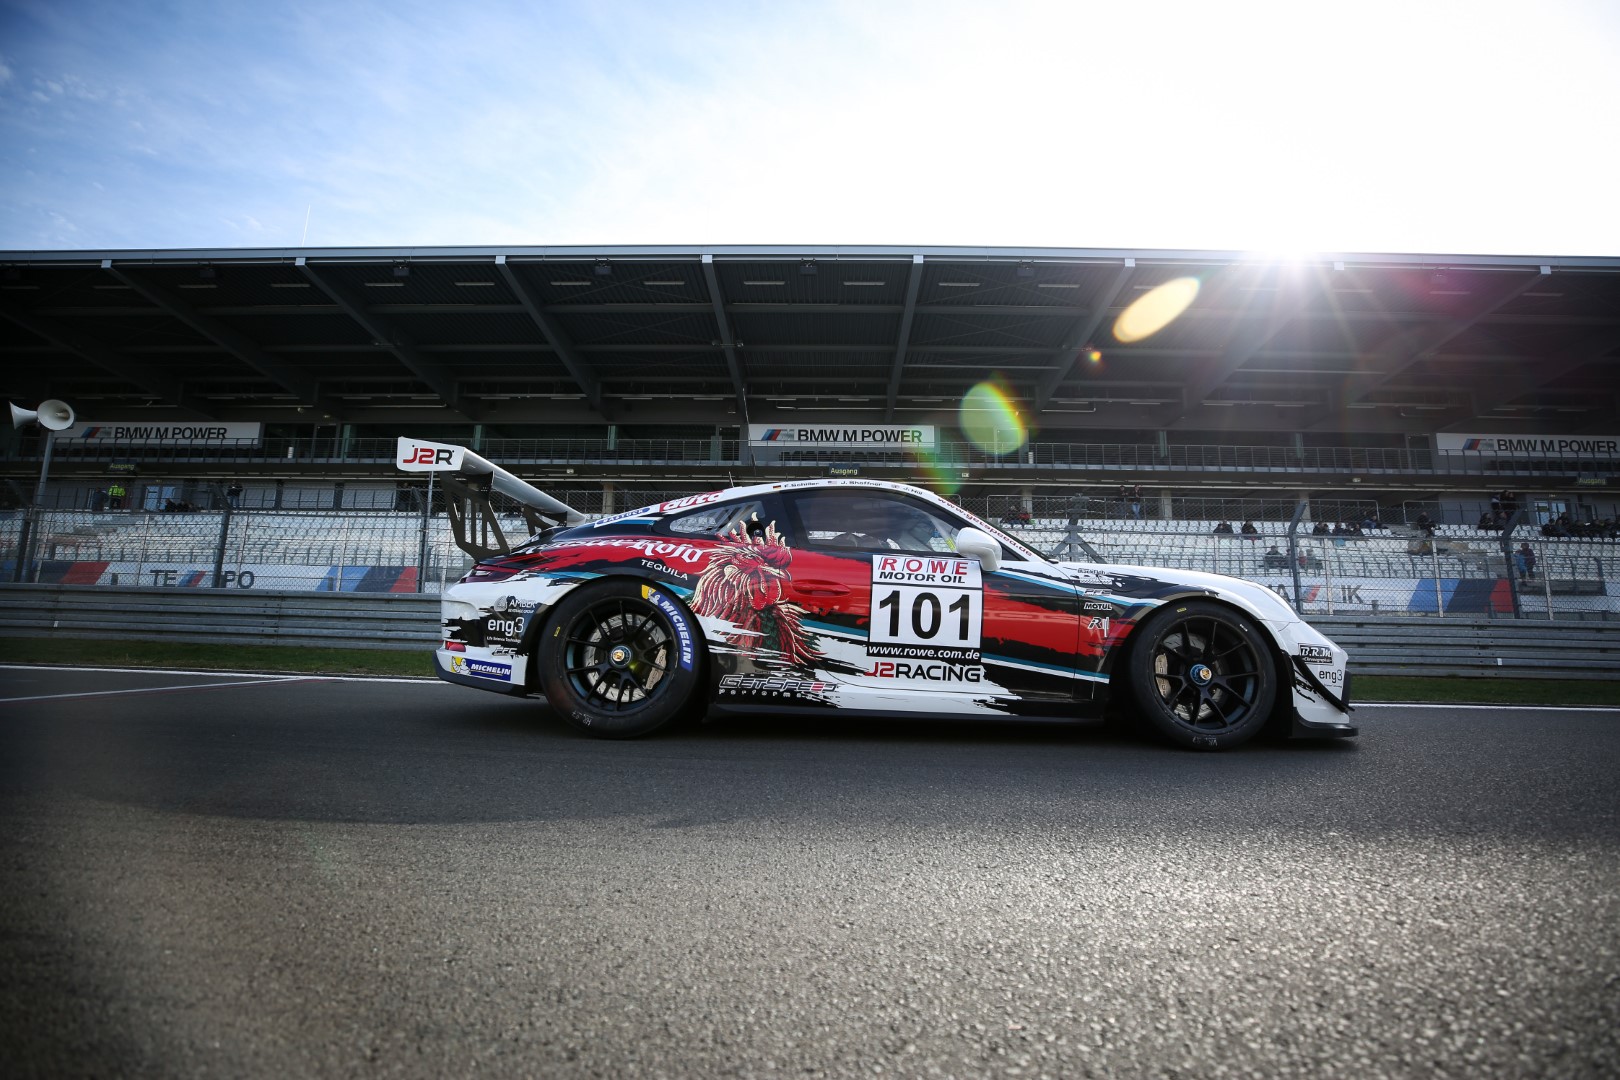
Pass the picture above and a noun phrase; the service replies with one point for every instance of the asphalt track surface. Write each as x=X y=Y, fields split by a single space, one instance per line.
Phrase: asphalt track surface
x=217 y=876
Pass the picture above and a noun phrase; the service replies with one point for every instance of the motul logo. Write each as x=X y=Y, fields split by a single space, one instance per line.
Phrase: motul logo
x=427 y=455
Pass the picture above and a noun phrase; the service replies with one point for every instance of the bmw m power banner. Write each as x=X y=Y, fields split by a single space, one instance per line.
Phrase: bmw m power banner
x=198 y=433
x=1604 y=447
x=843 y=436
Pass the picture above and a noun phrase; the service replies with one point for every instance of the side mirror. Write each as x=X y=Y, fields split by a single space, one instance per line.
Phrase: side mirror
x=979 y=545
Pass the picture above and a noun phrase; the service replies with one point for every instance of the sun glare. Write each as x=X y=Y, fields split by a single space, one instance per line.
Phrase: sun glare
x=1155 y=310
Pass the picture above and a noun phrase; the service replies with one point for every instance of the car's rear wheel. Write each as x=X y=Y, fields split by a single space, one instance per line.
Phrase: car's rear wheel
x=620 y=659
x=1201 y=676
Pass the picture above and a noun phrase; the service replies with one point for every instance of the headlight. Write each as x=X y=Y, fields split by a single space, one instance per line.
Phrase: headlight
x=455 y=609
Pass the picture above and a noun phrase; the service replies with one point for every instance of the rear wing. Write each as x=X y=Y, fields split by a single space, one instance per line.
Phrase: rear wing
x=469 y=480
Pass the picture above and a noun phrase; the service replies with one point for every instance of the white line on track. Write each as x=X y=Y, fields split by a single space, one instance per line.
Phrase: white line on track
x=1494 y=708
x=157 y=689
x=423 y=680
x=260 y=677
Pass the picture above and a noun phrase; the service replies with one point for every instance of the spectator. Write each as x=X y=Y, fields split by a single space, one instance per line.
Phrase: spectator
x=1319 y=529
x=115 y=496
x=1525 y=560
x=98 y=501
x=233 y=495
x=1223 y=529
x=1496 y=504
x=1424 y=523
x=1249 y=530
x=1274 y=559
x=1370 y=522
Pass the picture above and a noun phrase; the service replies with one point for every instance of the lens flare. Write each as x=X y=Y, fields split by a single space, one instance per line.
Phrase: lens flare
x=939 y=475
x=990 y=419
x=1155 y=310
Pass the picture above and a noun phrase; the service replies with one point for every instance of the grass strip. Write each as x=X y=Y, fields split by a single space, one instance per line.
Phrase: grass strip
x=1483 y=689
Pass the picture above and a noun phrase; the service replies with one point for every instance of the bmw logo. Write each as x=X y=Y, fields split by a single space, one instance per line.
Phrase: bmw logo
x=1202 y=674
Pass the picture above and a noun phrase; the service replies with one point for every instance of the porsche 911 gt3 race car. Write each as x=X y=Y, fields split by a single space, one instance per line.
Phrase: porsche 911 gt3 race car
x=856 y=595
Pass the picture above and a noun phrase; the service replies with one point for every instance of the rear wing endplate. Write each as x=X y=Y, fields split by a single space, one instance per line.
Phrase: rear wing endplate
x=469 y=479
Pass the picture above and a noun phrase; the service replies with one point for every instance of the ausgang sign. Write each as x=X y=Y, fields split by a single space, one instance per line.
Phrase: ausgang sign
x=844 y=436
x=1605 y=447
x=199 y=433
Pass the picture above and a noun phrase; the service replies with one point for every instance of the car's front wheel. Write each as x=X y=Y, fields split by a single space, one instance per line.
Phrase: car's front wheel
x=619 y=659
x=1201 y=675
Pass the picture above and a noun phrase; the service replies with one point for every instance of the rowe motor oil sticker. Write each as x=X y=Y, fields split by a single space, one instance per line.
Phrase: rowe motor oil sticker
x=926 y=606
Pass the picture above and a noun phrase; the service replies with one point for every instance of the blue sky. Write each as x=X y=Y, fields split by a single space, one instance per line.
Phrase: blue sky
x=1374 y=127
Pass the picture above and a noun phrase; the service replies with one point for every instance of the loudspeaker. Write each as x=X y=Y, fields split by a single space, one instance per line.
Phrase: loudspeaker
x=52 y=415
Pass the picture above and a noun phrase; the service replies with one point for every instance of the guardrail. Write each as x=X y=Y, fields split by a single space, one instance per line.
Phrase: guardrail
x=1502 y=647
x=214 y=616
x=1561 y=650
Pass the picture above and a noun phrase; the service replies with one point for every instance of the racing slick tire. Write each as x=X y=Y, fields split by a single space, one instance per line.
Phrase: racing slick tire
x=619 y=659
x=1201 y=676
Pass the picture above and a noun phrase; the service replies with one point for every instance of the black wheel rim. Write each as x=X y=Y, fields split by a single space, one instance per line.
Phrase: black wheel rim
x=617 y=653
x=1207 y=674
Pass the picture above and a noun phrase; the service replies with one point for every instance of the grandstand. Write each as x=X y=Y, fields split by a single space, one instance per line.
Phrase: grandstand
x=1389 y=388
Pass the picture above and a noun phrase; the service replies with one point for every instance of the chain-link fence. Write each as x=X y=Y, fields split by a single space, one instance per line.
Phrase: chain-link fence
x=1406 y=570
x=246 y=549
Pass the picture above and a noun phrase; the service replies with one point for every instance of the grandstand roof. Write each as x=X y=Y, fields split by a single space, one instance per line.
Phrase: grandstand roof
x=523 y=335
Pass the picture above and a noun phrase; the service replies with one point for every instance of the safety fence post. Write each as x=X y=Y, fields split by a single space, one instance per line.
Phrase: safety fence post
x=219 y=548
x=1439 y=598
x=140 y=561
x=1293 y=554
x=343 y=555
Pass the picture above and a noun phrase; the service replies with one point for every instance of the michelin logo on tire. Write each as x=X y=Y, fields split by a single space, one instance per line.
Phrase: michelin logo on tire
x=677 y=619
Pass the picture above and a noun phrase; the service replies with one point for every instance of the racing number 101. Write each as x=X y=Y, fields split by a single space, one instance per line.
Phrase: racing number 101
x=926 y=614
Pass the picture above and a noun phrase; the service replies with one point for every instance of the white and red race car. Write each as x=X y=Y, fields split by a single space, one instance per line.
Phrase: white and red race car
x=864 y=596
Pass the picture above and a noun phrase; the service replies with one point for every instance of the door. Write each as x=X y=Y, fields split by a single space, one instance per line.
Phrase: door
x=915 y=619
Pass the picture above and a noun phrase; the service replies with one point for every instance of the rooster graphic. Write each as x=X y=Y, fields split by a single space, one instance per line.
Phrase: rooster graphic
x=744 y=584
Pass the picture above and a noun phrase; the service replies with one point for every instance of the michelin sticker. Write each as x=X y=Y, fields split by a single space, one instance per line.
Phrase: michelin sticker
x=481 y=669
x=677 y=619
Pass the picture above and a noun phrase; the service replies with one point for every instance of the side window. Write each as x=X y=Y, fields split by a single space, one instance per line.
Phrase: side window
x=865 y=521
x=759 y=519
x=714 y=522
